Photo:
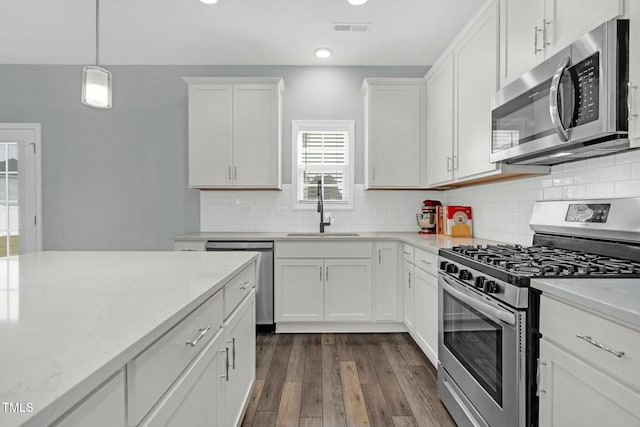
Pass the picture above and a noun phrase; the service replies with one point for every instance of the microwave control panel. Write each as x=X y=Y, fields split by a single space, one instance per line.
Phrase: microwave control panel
x=585 y=75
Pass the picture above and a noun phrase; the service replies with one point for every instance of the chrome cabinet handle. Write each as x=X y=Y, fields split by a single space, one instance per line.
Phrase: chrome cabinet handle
x=409 y=280
x=321 y=274
x=539 y=389
x=226 y=376
x=406 y=253
x=600 y=346
x=554 y=107
x=425 y=262
x=246 y=285
x=448 y=166
x=544 y=33
x=326 y=275
x=379 y=256
x=203 y=332
x=536 y=30
x=232 y=341
x=235 y=173
x=455 y=162
x=229 y=173
x=630 y=89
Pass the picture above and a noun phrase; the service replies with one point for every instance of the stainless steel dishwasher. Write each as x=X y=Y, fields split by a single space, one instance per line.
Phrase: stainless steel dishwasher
x=264 y=273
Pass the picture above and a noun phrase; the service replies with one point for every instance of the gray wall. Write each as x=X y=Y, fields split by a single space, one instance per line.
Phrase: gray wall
x=117 y=179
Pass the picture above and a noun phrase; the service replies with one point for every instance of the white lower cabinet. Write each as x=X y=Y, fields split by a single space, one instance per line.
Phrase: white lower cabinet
x=323 y=289
x=240 y=336
x=426 y=314
x=195 y=398
x=409 y=295
x=574 y=393
x=589 y=372
x=348 y=289
x=103 y=408
x=388 y=292
x=299 y=290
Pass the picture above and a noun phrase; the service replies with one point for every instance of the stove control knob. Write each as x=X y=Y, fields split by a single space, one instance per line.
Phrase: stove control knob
x=443 y=265
x=451 y=268
x=465 y=275
x=491 y=287
x=479 y=282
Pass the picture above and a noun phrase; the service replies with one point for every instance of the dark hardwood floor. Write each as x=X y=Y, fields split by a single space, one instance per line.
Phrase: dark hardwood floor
x=343 y=380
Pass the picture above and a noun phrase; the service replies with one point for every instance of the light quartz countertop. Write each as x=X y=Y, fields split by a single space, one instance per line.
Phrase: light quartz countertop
x=616 y=298
x=428 y=242
x=69 y=320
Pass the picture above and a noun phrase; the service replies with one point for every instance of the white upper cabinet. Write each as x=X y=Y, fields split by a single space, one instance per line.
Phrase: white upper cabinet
x=459 y=90
x=235 y=132
x=532 y=30
x=393 y=132
x=440 y=122
x=476 y=56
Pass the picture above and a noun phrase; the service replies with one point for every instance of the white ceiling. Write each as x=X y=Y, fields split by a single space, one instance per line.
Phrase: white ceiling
x=242 y=32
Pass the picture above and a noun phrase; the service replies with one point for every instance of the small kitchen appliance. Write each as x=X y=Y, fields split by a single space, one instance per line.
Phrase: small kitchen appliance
x=572 y=106
x=427 y=218
x=488 y=316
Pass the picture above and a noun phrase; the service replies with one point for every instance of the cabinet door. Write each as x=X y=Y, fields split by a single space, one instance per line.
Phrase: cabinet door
x=194 y=399
x=570 y=19
x=240 y=331
x=477 y=80
x=574 y=393
x=520 y=51
x=394 y=136
x=210 y=135
x=387 y=290
x=299 y=292
x=409 y=295
x=256 y=151
x=348 y=289
x=634 y=72
x=440 y=105
x=103 y=408
x=426 y=326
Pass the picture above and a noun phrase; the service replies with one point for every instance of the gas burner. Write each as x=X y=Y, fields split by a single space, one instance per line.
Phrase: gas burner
x=546 y=261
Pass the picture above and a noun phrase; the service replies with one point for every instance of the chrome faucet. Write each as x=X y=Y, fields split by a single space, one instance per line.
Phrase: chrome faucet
x=321 y=207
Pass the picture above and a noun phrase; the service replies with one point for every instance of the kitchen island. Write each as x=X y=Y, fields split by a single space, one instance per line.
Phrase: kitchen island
x=74 y=320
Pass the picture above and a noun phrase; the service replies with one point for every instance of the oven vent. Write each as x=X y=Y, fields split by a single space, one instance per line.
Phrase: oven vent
x=353 y=27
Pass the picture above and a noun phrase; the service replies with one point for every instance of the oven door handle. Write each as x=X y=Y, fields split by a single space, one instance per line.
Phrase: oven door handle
x=554 y=107
x=485 y=308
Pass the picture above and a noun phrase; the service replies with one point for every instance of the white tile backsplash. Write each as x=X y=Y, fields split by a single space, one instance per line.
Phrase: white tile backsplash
x=602 y=177
x=501 y=210
x=266 y=211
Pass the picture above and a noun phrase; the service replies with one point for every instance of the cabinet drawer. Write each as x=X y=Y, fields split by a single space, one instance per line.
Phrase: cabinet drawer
x=408 y=253
x=318 y=249
x=190 y=245
x=238 y=288
x=151 y=373
x=426 y=261
x=561 y=323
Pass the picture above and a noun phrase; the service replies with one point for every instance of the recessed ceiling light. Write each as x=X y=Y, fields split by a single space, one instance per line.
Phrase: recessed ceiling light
x=209 y=1
x=358 y=2
x=323 y=52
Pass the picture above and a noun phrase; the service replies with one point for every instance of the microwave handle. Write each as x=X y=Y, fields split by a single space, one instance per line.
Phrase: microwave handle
x=553 y=100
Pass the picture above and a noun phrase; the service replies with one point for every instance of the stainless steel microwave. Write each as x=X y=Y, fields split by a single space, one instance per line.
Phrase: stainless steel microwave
x=571 y=106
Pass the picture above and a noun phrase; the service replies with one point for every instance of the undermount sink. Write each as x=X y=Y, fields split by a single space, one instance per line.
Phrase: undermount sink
x=323 y=234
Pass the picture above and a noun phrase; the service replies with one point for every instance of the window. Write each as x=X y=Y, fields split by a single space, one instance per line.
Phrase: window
x=323 y=153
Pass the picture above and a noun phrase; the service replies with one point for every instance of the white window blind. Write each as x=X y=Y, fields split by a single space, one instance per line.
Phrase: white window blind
x=323 y=155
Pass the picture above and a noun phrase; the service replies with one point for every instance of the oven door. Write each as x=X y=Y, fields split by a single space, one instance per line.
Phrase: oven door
x=482 y=351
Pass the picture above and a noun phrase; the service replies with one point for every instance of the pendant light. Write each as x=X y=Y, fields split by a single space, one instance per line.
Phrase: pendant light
x=96 y=81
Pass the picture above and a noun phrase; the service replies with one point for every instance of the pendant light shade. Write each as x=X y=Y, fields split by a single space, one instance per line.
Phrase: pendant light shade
x=96 y=81
x=96 y=87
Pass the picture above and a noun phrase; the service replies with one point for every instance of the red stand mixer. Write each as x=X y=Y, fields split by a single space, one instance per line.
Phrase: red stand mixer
x=427 y=218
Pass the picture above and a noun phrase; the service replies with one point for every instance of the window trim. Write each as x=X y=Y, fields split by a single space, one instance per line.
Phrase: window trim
x=347 y=126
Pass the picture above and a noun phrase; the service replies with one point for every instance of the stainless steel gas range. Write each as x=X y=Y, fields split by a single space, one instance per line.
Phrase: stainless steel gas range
x=489 y=316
